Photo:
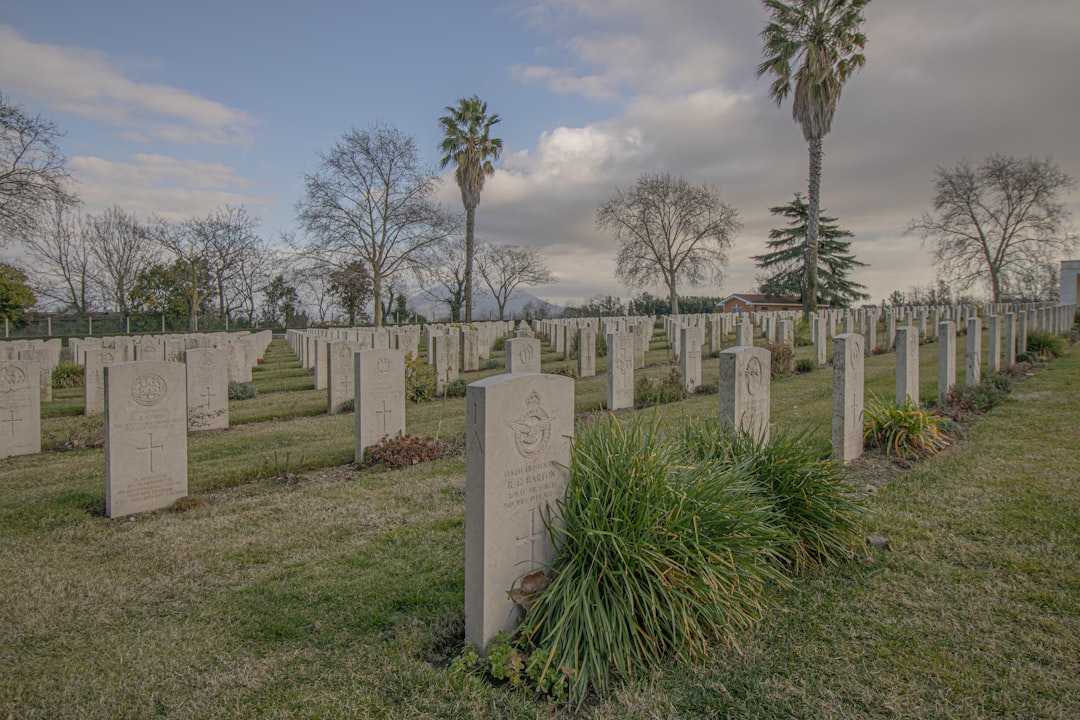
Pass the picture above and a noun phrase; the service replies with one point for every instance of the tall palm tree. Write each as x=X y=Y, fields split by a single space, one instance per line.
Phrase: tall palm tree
x=467 y=143
x=817 y=44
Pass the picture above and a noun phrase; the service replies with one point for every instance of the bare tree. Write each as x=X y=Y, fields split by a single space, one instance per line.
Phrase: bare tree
x=443 y=276
x=254 y=270
x=371 y=199
x=315 y=285
x=669 y=230
x=122 y=247
x=63 y=264
x=33 y=172
x=997 y=222
x=229 y=235
x=504 y=268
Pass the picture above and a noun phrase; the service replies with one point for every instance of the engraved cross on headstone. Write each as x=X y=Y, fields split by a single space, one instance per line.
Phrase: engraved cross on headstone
x=11 y=419
x=384 y=412
x=207 y=394
x=534 y=536
x=151 y=447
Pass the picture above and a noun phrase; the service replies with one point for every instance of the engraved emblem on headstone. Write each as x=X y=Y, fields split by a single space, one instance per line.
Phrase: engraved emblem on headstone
x=532 y=432
x=208 y=360
x=383 y=366
x=526 y=354
x=753 y=375
x=148 y=390
x=11 y=378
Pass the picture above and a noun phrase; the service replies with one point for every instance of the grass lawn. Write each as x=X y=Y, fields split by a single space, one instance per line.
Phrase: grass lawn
x=341 y=595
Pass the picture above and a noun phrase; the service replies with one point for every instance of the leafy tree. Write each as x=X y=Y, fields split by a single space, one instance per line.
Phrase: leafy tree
x=646 y=303
x=351 y=287
x=33 y=172
x=507 y=267
x=786 y=261
x=597 y=306
x=815 y=45
x=467 y=143
x=669 y=230
x=999 y=222
x=167 y=289
x=15 y=294
x=371 y=199
x=280 y=301
x=442 y=275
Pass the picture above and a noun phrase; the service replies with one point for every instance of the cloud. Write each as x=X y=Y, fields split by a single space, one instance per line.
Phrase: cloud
x=944 y=80
x=169 y=187
x=90 y=84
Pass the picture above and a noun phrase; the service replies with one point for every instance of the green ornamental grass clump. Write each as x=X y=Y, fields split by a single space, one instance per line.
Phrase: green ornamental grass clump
x=657 y=559
x=813 y=501
x=905 y=430
x=67 y=375
x=1044 y=345
x=242 y=391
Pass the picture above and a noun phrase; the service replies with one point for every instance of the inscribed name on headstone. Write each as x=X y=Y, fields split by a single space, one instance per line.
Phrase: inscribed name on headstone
x=522 y=355
x=20 y=408
x=145 y=436
x=848 y=374
x=380 y=397
x=620 y=368
x=745 y=392
x=518 y=432
x=207 y=388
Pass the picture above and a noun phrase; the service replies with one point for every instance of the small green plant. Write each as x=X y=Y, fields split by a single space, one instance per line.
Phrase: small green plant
x=804 y=365
x=348 y=406
x=491 y=364
x=242 y=391
x=68 y=375
x=455 y=389
x=707 y=389
x=905 y=431
x=1044 y=345
x=964 y=401
x=499 y=345
x=808 y=490
x=601 y=345
x=657 y=391
x=420 y=379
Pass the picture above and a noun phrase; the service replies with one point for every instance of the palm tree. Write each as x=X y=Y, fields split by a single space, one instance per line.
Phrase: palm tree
x=817 y=44
x=468 y=144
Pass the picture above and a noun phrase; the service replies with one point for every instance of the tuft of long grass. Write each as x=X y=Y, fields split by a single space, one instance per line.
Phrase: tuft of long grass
x=657 y=559
x=904 y=430
x=814 y=502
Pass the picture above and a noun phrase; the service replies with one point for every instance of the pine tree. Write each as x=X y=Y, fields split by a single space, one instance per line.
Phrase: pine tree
x=785 y=264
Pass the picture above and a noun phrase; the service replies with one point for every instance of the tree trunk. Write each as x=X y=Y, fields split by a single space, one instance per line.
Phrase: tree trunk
x=673 y=297
x=470 y=251
x=376 y=289
x=814 y=203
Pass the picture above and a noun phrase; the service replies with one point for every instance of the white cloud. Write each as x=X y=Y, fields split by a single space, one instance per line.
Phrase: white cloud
x=158 y=185
x=90 y=84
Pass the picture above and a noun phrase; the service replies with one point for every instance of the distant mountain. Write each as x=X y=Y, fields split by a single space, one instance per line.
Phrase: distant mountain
x=484 y=306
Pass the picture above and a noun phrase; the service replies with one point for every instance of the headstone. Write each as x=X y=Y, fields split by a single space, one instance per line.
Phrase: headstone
x=94 y=362
x=586 y=342
x=145 y=436
x=518 y=434
x=744 y=334
x=817 y=329
x=1009 y=346
x=620 y=368
x=946 y=359
x=973 y=376
x=993 y=350
x=745 y=395
x=43 y=359
x=207 y=389
x=340 y=374
x=522 y=355
x=907 y=365
x=380 y=397
x=690 y=358
x=20 y=408
x=848 y=373
x=470 y=350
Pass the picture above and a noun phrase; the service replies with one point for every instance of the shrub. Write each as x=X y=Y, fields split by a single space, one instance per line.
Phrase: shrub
x=455 y=389
x=601 y=345
x=656 y=559
x=782 y=358
x=420 y=379
x=963 y=400
x=804 y=365
x=348 y=406
x=405 y=450
x=656 y=391
x=565 y=371
x=905 y=430
x=500 y=345
x=707 y=389
x=808 y=490
x=242 y=391
x=68 y=375
x=491 y=364
x=1044 y=345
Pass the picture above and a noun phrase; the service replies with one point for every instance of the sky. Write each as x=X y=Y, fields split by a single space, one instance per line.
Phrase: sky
x=179 y=108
